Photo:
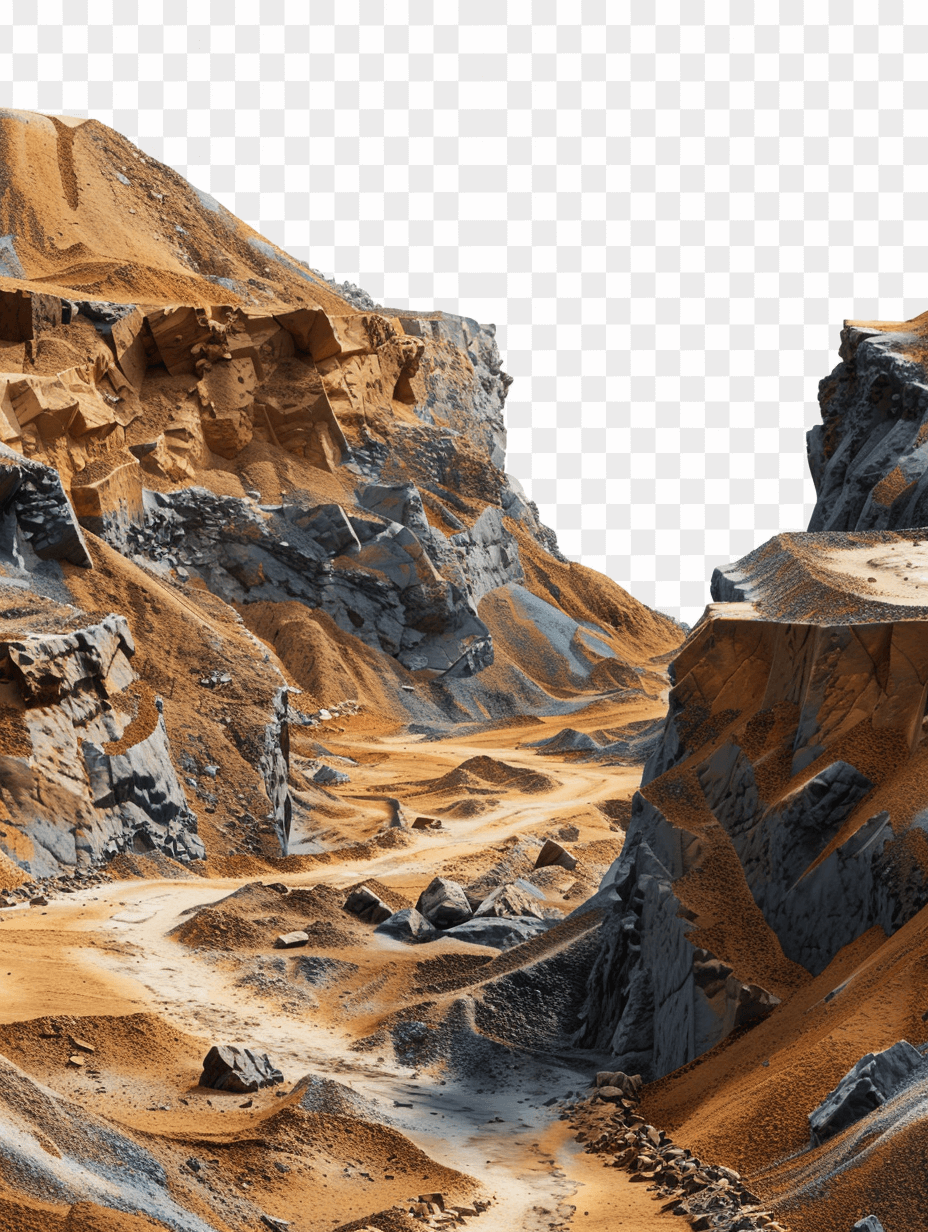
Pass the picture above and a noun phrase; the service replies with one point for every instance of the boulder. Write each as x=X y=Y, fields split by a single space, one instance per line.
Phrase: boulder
x=287 y=941
x=327 y=775
x=495 y=931
x=444 y=903
x=869 y=1223
x=554 y=853
x=408 y=925
x=629 y=1084
x=426 y=823
x=510 y=900
x=873 y=1080
x=229 y=1068
x=366 y=905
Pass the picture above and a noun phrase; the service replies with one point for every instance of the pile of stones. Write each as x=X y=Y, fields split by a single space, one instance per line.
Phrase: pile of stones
x=713 y=1198
x=431 y=1210
x=39 y=892
x=504 y=918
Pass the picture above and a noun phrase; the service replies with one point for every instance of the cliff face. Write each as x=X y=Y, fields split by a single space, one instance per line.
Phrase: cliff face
x=785 y=814
x=273 y=489
x=868 y=456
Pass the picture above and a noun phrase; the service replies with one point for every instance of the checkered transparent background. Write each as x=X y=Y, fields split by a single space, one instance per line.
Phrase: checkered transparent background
x=667 y=208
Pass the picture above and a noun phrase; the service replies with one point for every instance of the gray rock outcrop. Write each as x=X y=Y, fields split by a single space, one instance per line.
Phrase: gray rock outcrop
x=127 y=798
x=33 y=500
x=873 y=1080
x=866 y=457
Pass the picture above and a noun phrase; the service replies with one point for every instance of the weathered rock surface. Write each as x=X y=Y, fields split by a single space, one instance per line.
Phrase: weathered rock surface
x=502 y=933
x=229 y=1068
x=408 y=925
x=867 y=457
x=83 y=757
x=554 y=853
x=444 y=903
x=511 y=900
x=367 y=906
x=789 y=758
x=873 y=1080
x=36 y=517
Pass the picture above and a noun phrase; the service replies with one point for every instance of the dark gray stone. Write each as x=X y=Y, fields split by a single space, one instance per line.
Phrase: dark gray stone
x=874 y=405
x=873 y=1080
x=444 y=903
x=497 y=932
x=43 y=512
x=408 y=925
x=229 y=1068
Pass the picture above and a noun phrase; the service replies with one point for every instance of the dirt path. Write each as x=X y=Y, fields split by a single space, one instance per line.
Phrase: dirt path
x=108 y=950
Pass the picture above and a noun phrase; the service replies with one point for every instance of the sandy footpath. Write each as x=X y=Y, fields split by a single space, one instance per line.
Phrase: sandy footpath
x=108 y=951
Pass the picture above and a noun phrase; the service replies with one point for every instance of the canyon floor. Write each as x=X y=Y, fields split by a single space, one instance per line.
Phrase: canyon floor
x=103 y=966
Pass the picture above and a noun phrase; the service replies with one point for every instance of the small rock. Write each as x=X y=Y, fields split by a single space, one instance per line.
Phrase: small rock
x=554 y=853
x=328 y=775
x=287 y=941
x=238 y=1069
x=80 y=1045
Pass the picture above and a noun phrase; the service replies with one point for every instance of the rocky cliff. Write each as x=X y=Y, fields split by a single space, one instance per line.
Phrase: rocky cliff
x=867 y=457
x=289 y=501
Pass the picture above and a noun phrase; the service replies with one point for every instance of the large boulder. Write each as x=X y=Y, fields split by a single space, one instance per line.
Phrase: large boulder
x=408 y=925
x=229 y=1068
x=873 y=1080
x=501 y=934
x=444 y=903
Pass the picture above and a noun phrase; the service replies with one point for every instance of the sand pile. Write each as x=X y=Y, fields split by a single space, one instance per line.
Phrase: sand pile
x=482 y=775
